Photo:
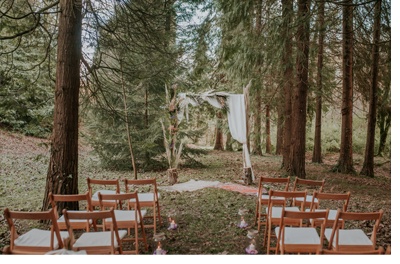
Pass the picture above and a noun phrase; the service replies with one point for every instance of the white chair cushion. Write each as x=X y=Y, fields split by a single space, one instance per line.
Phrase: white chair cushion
x=95 y=239
x=331 y=215
x=300 y=235
x=38 y=238
x=266 y=197
x=95 y=196
x=62 y=219
x=126 y=215
x=308 y=199
x=146 y=197
x=277 y=211
x=349 y=237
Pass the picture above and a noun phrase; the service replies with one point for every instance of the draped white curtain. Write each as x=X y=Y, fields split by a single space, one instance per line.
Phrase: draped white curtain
x=237 y=125
x=236 y=117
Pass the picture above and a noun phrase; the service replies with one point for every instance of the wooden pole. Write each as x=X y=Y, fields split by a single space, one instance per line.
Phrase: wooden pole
x=248 y=175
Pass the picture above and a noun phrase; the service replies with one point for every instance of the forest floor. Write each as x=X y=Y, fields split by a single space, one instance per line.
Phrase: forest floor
x=207 y=218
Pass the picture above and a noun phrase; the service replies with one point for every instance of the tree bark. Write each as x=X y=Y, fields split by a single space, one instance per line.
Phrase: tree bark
x=299 y=109
x=229 y=141
x=345 y=163
x=258 y=87
x=287 y=13
x=368 y=166
x=62 y=174
x=317 y=153
x=267 y=130
x=256 y=150
x=219 y=137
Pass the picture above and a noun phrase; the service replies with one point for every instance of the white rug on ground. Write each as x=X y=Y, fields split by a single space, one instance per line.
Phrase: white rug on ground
x=189 y=186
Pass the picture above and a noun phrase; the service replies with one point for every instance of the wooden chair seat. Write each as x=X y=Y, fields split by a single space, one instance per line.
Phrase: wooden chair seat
x=301 y=238
x=122 y=216
x=354 y=239
x=96 y=240
x=38 y=238
x=349 y=232
x=34 y=241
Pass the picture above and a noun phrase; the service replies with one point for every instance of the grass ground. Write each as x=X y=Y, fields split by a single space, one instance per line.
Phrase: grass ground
x=206 y=218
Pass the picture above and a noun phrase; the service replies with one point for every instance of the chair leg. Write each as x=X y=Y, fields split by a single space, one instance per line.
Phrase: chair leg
x=256 y=221
x=144 y=236
x=155 y=218
x=159 y=213
x=269 y=238
x=136 y=239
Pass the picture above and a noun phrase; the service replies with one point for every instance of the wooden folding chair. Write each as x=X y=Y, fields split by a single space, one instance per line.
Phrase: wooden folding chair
x=95 y=242
x=356 y=234
x=64 y=201
x=96 y=186
x=331 y=201
x=264 y=185
x=36 y=241
x=274 y=210
x=310 y=186
x=126 y=217
x=148 y=198
x=302 y=238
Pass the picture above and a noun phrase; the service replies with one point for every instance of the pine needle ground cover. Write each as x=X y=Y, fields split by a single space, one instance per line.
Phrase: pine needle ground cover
x=207 y=218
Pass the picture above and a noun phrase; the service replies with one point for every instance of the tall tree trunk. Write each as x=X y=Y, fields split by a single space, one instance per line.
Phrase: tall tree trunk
x=267 y=129
x=280 y=132
x=368 y=166
x=299 y=110
x=219 y=137
x=384 y=126
x=384 y=111
x=317 y=153
x=128 y=131
x=345 y=163
x=256 y=150
x=62 y=174
x=229 y=141
x=258 y=87
x=287 y=13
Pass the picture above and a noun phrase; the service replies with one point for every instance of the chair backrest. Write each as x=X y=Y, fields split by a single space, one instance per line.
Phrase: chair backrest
x=356 y=220
x=67 y=201
x=150 y=185
x=114 y=184
x=119 y=199
x=55 y=240
x=303 y=219
x=95 y=216
x=271 y=183
x=309 y=185
x=289 y=215
x=330 y=200
x=288 y=197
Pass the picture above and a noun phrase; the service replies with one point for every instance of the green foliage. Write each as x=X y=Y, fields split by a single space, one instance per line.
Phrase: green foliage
x=27 y=68
x=25 y=107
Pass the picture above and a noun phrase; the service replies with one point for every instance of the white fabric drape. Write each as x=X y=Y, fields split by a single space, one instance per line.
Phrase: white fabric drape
x=237 y=125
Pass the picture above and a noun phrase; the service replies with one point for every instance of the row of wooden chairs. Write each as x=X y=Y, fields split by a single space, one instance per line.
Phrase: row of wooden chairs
x=109 y=209
x=283 y=184
x=81 y=227
x=147 y=193
x=127 y=210
x=302 y=226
